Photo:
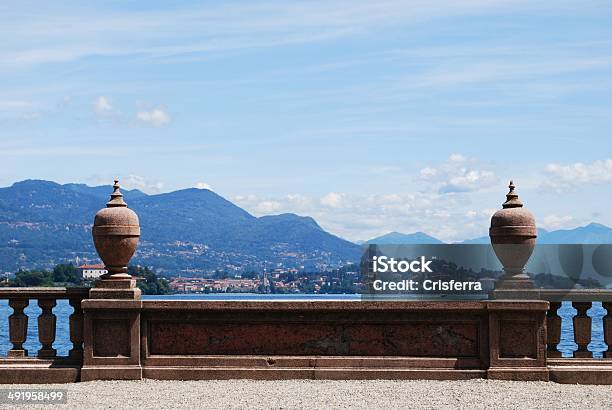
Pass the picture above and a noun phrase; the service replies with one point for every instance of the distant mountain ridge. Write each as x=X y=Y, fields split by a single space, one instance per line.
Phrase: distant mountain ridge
x=593 y=233
x=43 y=223
x=396 y=238
x=191 y=230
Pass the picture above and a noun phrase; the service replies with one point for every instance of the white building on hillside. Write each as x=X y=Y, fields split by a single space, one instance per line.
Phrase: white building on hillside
x=92 y=271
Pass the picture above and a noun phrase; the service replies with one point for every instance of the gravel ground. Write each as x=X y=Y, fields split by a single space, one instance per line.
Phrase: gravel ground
x=319 y=394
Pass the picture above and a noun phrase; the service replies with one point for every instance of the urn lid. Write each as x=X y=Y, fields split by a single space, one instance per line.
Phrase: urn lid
x=513 y=214
x=512 y=199
x=116 y=212
x=116 y=199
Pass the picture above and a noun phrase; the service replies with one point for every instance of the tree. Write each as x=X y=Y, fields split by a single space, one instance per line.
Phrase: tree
x=26 y=278
x=69 y=275
x=152 y=284
x=66 y=273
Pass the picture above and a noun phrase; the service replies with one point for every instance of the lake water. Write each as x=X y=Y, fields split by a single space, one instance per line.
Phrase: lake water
x=63 y=311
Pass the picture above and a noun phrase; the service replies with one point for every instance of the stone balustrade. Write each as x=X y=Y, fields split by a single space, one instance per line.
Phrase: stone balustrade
x=20 y=365
x=319 y=339
x=581 y=300
x=134 y=339
x=583 y=367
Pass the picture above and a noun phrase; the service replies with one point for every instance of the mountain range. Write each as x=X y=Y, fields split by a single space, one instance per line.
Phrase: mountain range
x=396 y=238
x=193 y=231
x=593 y=233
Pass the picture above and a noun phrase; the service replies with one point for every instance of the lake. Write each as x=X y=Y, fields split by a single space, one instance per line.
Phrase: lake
x=63 y=311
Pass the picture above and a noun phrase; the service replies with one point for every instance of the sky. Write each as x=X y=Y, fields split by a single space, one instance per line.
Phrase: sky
x=370 y=117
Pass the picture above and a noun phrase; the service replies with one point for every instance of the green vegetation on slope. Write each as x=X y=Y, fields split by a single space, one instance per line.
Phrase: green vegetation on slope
x=69 y=276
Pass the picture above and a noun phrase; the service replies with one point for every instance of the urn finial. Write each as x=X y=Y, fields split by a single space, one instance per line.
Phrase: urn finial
x=116 y=232
x=513 y=235
x=116 y=197
x=512 y=198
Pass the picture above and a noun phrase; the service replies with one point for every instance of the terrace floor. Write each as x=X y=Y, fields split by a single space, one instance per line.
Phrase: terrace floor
x=317 y=394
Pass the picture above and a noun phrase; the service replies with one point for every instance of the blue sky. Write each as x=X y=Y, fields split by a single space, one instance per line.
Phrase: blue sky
x=368 y=116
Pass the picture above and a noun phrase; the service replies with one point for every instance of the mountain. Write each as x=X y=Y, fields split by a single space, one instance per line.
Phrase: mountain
x=479 y=240
x=396 y=238
x=591 y=233
x=195 y=230
x=101 y=191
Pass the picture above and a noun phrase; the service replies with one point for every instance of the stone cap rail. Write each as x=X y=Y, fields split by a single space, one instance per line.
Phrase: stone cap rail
x=353 y=305
x=576 y=295
x=43 y=292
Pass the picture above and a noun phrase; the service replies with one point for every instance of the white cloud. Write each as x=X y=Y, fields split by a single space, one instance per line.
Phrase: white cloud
x=596 y=172
x=268 y=207
x=553 y=222
x=480 y=214
x=458 y=174
x=365 y=216
x=428 y=172
x=142 y=184
x=249 y=199
x=203 y=185
x=156 y=117
x=10 y=105
x=21 y=110
x=103 y=106
x=333 y=200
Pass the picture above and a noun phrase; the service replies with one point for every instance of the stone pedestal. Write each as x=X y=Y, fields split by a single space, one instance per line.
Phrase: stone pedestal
x=112 y=331
x=111 y=340
x=112 y=312
x=517 y=340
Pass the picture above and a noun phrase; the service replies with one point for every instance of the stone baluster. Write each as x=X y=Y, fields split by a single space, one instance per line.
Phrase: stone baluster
x=76 y=330
x=46 y=328
x=607 y=328
x=18 y=327
x=582 y=329
x=553 y=333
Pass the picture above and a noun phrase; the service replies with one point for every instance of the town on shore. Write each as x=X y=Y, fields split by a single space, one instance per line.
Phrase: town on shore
x=346 y=279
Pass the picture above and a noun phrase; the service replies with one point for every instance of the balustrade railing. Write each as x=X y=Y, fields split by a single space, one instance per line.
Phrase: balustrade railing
x=20 y=298
x=582 y=301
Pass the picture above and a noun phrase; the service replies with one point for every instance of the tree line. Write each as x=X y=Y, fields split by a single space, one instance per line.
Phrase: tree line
x=69 y=275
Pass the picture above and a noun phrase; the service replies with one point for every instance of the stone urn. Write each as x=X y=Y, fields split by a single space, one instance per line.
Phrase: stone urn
x=513 y=236
x=116 y=232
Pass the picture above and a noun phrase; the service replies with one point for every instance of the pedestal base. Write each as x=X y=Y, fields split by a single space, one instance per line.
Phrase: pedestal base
x=124 y=288
x=47 y=353
x=90 y=373
x=525 y=374
x=515 y=294
x=515 y=284
x=17 y=353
